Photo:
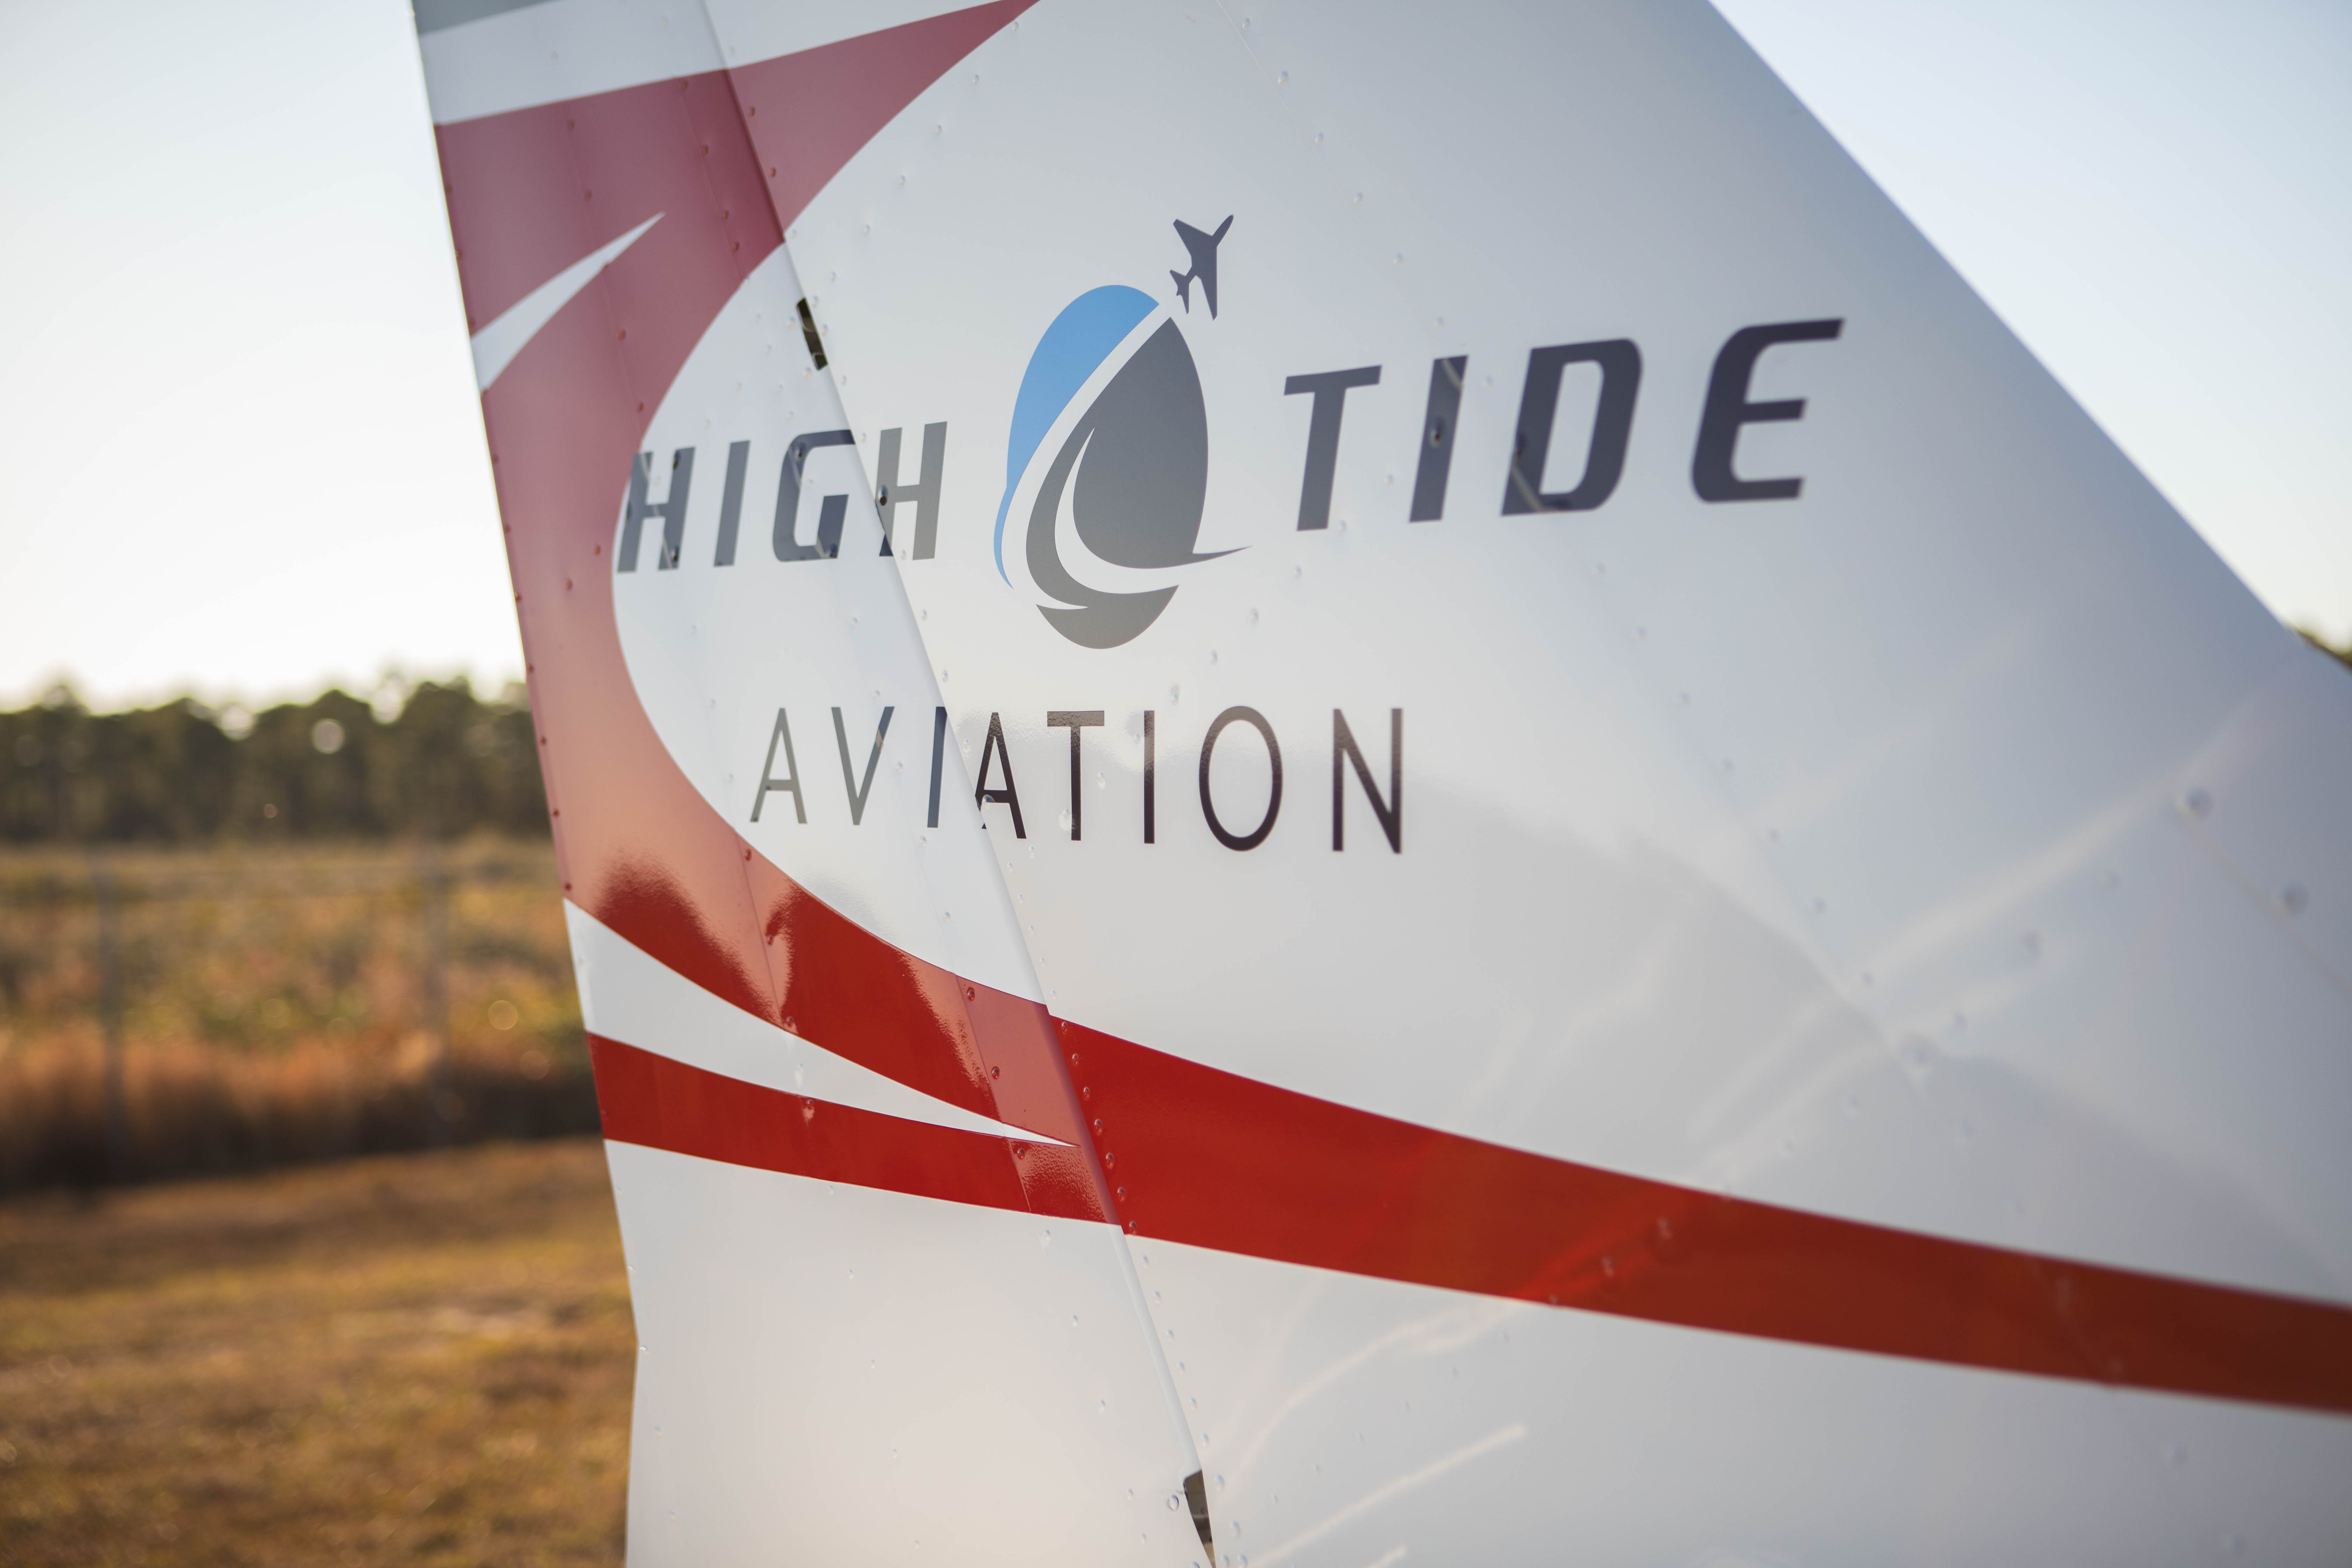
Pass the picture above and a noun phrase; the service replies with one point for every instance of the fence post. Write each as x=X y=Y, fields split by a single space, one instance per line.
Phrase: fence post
x=110 y=1009
x=440 y=1124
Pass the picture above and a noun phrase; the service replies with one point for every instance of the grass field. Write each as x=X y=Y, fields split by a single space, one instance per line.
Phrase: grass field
x=410 y=1358
x=281 y=1003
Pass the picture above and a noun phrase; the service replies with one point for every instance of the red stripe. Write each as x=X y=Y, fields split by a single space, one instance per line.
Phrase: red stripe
x=1218 y=1160
x=529 y=193
x=533 y=190
x=660 y=1103
x=1203 y=1156
x=809 y=113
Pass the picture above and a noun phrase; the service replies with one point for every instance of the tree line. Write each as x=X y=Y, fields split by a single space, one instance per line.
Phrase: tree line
x=433 y=759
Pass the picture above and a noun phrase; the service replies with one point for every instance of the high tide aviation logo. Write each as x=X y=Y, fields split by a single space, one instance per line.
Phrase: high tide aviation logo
x=1107 y=468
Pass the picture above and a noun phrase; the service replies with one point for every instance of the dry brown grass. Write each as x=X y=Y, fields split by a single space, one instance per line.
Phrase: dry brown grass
x=418 y=1358
x=193 y=1107
x=277 y=1006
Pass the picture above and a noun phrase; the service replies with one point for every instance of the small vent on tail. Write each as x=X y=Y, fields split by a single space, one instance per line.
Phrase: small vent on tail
x=808 y=334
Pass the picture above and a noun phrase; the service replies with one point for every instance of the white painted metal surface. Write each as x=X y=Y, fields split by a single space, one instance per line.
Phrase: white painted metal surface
x=853 y=1374
x=1948 y=844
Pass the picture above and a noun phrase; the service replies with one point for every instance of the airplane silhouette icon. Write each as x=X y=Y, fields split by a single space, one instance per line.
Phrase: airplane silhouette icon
x=1202 y=248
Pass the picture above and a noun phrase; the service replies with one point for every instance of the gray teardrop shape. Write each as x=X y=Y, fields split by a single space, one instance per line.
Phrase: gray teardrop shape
x=1141 y=461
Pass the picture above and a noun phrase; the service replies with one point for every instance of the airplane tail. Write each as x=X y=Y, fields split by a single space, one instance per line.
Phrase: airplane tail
x=1825 y=952
x=1183 y=281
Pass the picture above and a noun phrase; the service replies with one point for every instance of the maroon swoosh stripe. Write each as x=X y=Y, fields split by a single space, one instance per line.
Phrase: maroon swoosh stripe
x=638 y=846
x=1192 y=1155
x=1215 y=1160
x=809 y=113
x=660 y=1103
x=1207 y=1157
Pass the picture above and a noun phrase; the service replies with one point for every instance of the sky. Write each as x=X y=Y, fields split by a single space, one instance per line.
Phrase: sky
x=247 y=455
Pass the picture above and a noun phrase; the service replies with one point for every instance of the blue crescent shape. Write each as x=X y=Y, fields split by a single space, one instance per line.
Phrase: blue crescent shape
x=1081 y=337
